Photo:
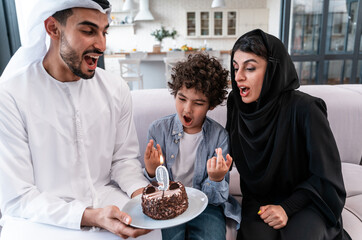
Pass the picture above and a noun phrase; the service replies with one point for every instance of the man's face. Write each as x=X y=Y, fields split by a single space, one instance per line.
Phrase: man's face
x=83 y=41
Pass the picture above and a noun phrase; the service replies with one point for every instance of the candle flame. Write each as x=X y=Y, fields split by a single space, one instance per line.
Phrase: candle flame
x=161 y=160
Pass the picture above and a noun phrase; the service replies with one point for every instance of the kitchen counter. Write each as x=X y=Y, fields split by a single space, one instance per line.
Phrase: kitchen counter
x=160 y=53
x=153 y=66
x=155 y=56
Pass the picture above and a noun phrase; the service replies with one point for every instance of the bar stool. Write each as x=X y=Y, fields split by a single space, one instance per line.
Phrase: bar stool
x=130 y=71
x=130 y=68
x=140 y=55
x=171 y=59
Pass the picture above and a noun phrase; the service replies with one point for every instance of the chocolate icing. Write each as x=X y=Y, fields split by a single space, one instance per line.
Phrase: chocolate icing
x=161 y=205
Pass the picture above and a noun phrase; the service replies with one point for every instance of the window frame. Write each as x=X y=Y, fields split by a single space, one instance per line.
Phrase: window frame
x=322 y=57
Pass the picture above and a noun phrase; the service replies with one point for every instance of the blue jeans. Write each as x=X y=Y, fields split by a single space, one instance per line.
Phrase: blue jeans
x=209 y=225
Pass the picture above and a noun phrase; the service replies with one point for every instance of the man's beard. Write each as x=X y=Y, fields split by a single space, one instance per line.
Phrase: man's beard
x=70 y=57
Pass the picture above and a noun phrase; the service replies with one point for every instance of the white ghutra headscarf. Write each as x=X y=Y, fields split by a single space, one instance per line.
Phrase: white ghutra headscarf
x=34 y=45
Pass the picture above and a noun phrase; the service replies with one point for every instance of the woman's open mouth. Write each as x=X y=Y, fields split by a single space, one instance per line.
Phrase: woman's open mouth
x=244 y=91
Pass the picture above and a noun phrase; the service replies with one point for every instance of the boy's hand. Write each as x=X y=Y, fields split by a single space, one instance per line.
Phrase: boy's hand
x=152 y=158
x=217 y=167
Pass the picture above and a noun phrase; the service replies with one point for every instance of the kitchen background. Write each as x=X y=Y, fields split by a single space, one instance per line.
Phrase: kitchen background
x=172 y=14
x=186 y=17
x=322 y=36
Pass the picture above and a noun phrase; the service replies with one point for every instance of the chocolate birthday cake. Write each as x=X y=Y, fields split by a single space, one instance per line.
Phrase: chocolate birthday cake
x=162 y=205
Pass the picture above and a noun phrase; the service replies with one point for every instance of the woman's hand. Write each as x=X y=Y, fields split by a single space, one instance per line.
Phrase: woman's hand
x=152 y=158
x=217 y=167
x=274 y=216
x=112 y=219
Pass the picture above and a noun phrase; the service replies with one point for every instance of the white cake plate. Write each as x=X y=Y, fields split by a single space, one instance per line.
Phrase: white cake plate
x=197 y=204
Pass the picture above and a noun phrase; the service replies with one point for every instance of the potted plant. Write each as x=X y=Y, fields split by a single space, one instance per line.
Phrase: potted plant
x=160 y=34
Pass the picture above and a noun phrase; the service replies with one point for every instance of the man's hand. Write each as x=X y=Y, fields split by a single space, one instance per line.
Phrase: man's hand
x=274 y=216
x=152 y=158
x=113 y=220
x=217 y=167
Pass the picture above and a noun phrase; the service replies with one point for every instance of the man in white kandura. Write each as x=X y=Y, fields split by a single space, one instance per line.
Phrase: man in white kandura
x=68 y=144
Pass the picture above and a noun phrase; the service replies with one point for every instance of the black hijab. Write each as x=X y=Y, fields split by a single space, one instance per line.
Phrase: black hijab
x=275 y=149
x=258 y=119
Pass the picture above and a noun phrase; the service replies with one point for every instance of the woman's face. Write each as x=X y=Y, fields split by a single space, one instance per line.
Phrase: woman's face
x=249 y=75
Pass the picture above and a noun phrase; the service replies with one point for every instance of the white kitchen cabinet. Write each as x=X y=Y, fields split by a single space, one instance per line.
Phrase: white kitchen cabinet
x=213 y=24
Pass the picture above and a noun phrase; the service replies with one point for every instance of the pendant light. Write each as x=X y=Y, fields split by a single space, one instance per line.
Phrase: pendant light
x=218 y=4
x=144 y=13
x=129 y=5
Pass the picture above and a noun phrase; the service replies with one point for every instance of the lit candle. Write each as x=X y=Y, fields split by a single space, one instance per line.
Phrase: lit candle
x=162 y=176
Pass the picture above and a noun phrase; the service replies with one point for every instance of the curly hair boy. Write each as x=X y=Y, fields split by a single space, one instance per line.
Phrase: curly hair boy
x=195 y=147
x=205 y=74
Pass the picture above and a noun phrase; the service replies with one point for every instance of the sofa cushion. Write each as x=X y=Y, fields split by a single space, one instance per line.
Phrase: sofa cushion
x=344 y=107
x=352 y=225
x=352 y=176
x=353 y=204
x=148 y=106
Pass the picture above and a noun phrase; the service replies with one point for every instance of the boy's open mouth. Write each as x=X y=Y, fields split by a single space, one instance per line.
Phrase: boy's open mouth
x=187 y=119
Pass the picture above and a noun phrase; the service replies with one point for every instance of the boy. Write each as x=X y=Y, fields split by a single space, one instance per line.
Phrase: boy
x=192 y=145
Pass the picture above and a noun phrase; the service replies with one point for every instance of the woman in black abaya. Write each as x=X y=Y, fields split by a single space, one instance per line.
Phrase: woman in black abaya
x=283 y=148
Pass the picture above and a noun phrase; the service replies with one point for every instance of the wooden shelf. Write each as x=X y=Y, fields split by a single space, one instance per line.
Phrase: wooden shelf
x=122 y=25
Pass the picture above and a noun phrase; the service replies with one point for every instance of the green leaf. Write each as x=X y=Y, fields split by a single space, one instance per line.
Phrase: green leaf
x=162 y=33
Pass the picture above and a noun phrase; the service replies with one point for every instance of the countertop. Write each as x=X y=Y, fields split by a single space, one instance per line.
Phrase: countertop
x=124 y=54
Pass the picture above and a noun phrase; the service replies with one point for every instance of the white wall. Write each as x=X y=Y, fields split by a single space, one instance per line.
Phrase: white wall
x=274 y=16
x=172 y=14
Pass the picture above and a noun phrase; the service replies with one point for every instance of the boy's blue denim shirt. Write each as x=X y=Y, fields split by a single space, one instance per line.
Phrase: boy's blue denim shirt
x=168 y=131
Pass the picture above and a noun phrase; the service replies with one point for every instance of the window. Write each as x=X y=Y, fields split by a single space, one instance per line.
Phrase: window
x=323 y=38
x=9 y=32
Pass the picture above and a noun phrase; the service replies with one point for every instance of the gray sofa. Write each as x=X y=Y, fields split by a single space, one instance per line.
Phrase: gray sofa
x=344 y=104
